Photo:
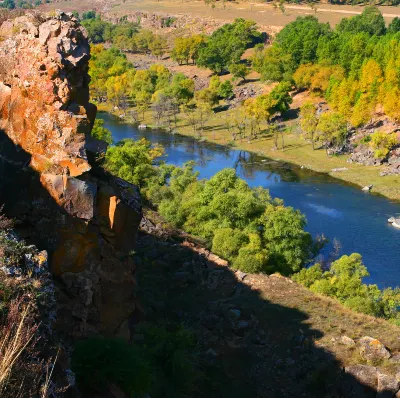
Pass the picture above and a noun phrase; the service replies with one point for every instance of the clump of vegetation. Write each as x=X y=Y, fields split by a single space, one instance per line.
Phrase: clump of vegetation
x=133 y=160
x=100 y=132
x=227 y=44
x=187 y=49
x=162 y=365
x=343 y=281
x=328 y=129
x=382 y=143
x=18 y=329
x=98 y=362
x=115 y=80
x=21 y=366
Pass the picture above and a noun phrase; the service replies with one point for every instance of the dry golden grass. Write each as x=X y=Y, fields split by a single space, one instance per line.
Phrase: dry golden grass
x=17 y=336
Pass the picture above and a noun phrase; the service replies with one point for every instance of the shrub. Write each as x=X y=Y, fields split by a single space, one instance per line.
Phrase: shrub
x=225 y=90
x=308 y=276
x=133 y=160
x=252 y=257
x=343 y=281
x=97 y=362
x=242 y=224
x=171 y=353
x=100 y=132
x=227 y=242
x=161 y=366
x=382 y=143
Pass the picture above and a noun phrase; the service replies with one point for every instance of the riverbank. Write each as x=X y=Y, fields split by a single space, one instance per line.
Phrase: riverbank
x=296 y=151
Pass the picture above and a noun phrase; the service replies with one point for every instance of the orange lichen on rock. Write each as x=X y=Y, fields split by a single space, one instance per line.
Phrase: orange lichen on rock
x=84 y=217
x=44 y=102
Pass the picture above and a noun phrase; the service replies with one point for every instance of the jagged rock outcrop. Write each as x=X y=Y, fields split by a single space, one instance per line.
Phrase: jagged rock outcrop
x=85 y=218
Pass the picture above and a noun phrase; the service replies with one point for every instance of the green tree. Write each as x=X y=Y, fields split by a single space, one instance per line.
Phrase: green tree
x=289 y=246
x=273 y=64
x=96 y=29
x=133 y=160
x=227 y=44
x=100 y=132
x=239 y=71
x=370 y=21
x=300 y=39
x=331 y=130
x=225 y=89
x=180 y=89
x=158 y=46
x=309 y=122
x=394 y=26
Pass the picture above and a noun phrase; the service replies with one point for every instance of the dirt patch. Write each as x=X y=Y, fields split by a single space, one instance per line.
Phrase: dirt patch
x=270 y=19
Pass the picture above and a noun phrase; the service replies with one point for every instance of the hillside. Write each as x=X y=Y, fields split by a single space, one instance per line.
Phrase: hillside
x=257 y=335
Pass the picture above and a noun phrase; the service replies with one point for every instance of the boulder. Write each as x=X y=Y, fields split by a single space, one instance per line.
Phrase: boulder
x=77 y=197
x=388 y=386
x=347 y=341
x=362 y=380
x=363 y=154
x=367 y=188
x=394 y=221
x=372 y=349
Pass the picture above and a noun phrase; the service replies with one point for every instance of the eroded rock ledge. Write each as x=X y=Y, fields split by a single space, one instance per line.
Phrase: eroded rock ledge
x=85 y=218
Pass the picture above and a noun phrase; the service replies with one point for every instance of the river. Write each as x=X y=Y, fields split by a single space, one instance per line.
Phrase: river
x=333 y=208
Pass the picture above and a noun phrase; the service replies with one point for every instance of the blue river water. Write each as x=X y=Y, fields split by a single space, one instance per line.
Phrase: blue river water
x=339 y=211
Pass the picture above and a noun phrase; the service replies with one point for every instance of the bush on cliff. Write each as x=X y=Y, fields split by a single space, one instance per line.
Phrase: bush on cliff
x=343 y=281
x=100 y=132
x=160 y=365
x=133 y=160
x=242 y=224
x=99 y=362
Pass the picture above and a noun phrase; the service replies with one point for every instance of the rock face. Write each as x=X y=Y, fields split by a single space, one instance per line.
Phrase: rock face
x=363 y=154
x=85 y=218
x=368 y=381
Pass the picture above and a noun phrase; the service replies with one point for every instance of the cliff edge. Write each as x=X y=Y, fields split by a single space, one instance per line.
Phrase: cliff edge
x=85 y=218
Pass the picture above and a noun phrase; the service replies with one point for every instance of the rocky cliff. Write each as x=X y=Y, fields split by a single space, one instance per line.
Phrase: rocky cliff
x=85 y=218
